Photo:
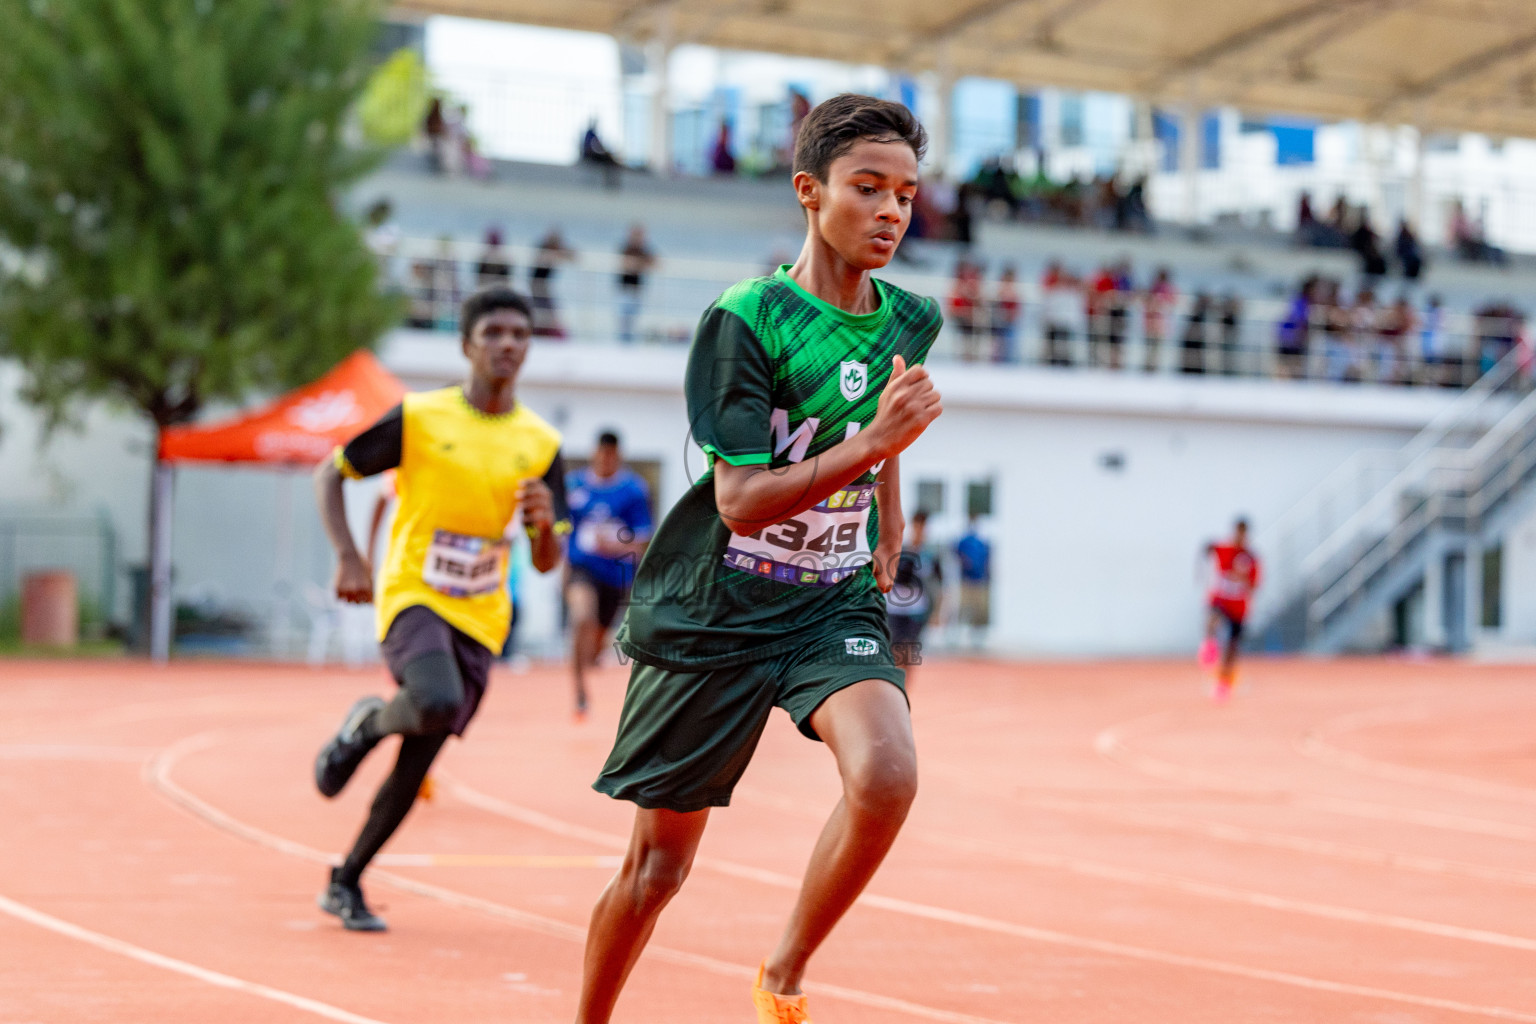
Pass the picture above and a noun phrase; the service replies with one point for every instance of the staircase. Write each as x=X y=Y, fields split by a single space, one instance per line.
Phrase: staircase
x=1387 y=522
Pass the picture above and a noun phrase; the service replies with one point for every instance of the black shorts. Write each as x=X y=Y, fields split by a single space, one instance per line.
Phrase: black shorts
x=686 y=737
x=609 y=597
x=1234 y=623
x=419 y=630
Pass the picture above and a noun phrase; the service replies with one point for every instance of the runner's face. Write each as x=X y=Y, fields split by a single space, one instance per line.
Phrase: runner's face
x=605 y=460
x=865 y=204
x=498 y=344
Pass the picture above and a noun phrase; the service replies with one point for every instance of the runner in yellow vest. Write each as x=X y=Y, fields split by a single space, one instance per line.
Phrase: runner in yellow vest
x=466 y=459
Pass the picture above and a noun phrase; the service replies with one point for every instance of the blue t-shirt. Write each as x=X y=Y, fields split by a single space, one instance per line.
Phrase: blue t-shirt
x=618 y=506
x=975 y=558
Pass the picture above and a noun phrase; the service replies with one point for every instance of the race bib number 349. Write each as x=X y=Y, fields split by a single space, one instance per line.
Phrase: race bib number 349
x=821 y=546
x=462 y=566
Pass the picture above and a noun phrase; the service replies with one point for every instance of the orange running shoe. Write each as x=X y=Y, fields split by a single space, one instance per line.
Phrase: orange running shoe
x=428 y=789
x=773 y=1008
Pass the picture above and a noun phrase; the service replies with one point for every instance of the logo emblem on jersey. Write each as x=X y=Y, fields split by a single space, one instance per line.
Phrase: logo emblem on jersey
x=852 y=379
x=861 y=646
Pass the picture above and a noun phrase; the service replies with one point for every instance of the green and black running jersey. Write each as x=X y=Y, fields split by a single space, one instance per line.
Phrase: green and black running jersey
x=775 y=376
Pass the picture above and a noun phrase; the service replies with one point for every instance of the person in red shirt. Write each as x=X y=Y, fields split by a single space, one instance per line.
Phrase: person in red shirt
x=1236 y=578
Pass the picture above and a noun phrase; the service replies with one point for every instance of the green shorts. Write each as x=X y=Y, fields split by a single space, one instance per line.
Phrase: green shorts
x=685 y=737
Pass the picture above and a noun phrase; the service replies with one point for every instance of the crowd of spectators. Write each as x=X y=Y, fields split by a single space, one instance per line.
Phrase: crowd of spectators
x=1345 y=226
x=1106 y=201
x=436 y=284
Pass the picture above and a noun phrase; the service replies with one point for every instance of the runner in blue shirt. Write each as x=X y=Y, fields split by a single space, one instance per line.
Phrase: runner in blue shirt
x=611 y=520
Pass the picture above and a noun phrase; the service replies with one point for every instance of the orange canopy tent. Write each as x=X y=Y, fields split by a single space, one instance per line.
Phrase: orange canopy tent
x=295 y=432
x=299 y=429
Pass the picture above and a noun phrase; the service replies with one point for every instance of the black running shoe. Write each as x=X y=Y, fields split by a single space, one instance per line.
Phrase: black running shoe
x=346 y=902
x=340 y=757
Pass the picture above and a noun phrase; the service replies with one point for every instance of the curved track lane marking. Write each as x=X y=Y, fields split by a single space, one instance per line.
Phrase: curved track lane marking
x=1111 y=744
x=22 y=912
x=1315 y=744
x=157 y=775
x=1242 y=835
x=1188 y=886
x=538 y=819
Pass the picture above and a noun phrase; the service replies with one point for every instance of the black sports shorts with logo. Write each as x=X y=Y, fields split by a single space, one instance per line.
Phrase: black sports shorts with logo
x=685 y=738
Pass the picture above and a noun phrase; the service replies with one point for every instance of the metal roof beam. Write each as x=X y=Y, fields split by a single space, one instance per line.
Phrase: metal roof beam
x=1247 y=38
x=1479 y=63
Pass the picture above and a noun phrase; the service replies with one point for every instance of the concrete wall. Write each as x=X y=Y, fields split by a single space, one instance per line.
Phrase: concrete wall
x=1105 y=485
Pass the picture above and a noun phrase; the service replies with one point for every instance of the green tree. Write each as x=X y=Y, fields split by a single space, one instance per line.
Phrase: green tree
x=170 y=182
x=170 y=173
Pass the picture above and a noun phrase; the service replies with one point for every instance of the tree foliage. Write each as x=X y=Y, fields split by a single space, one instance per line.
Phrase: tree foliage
x=170 y=175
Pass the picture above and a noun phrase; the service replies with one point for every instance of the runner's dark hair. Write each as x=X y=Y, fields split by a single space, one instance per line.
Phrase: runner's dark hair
x=490 y=300
x=837 y=125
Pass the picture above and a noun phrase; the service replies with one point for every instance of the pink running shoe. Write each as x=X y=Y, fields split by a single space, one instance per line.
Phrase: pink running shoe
x=1209 y=653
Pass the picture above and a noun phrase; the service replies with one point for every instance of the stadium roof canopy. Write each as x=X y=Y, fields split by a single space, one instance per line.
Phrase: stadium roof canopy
x=1440 y=64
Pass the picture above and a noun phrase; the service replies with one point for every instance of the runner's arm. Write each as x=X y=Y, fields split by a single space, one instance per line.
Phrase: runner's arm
x=373 y=451
x=546 y=515
x=751 y=497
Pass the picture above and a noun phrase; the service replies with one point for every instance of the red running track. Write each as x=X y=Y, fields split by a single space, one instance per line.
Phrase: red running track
x=1345 y=842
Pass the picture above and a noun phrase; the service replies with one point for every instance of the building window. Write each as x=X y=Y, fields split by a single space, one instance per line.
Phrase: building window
x=978 y=498
x=930 y=496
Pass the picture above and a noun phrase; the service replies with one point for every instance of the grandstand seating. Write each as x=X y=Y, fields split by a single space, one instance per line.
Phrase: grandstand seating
x=709 y=232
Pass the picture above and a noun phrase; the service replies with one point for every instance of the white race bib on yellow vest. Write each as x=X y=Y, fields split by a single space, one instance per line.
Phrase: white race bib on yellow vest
x=462 y=566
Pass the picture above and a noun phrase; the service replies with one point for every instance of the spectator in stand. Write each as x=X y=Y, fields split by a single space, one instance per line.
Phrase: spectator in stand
x=1004 y=321
x=1335 y=231
x=435 y=127
x=1193 y=345
x=1098 y=301
x=1469 y=240
x=595 y=154
x=1134 y=215
x=552 y=252
x=965 y=307
x=1397 y=323
x=635 y=259
x=722 y=157
x=1498 y=327
x=421 y=313
x=1231 y=334
x=960 y=216
x=382 y=236
x=1410 y=256
x=1059 y=303
x=471 y=159
x=1364 y=241
x=799 y=106
x=1363 y=338
x=1437 y=365
x=1335 y=320
x=975 y=556
x=1157 y=316
x=493 y=268
x=1306 y=221
x=446 y=293
x=1295 y=331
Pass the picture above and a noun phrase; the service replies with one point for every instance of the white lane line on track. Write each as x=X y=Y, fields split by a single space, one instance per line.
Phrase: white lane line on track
x=1111 y=744
x=1316 y=745
x=71 y=752
x=1175 y=883
x=157 y=775
x=22 y=912
x=538 y=819
x=1229 y=833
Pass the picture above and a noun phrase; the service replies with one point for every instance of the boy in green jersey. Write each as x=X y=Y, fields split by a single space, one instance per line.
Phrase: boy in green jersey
x=763 y=586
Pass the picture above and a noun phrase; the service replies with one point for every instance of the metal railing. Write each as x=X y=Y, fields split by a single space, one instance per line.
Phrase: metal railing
x=580 y=300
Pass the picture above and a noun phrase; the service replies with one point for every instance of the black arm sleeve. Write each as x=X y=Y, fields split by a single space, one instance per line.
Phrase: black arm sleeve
x=554 y=479
x=377 y=448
